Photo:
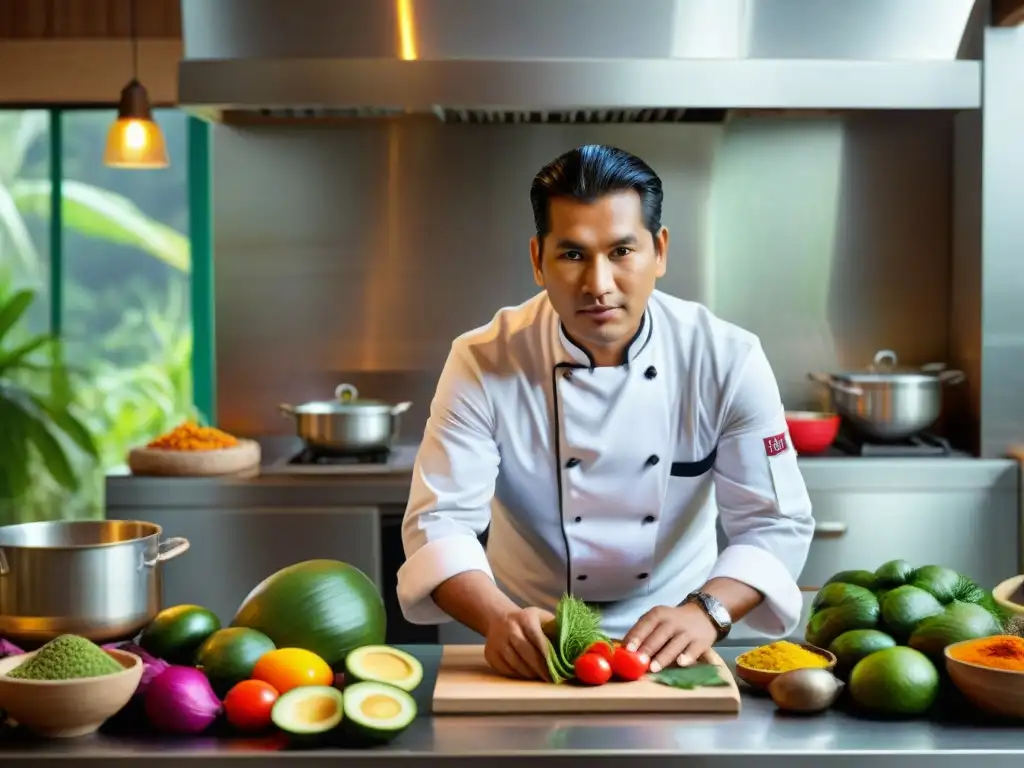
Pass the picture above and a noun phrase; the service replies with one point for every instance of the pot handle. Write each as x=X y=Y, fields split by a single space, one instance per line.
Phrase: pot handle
x=831 y=383
x=401 y=408
x=168 y=550
x=952 y=377
x=286 y=409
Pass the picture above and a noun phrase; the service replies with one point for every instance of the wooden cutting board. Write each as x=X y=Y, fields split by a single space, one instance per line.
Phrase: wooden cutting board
x=467 y=685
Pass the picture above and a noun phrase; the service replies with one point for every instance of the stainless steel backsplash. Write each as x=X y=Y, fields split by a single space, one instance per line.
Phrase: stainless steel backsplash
x=358 y=253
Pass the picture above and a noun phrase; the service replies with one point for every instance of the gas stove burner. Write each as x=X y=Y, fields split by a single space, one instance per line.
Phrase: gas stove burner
x=308 y=456
x=923 y=444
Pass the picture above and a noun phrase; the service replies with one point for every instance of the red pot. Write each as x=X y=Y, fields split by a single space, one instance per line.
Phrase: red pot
x=810 y=431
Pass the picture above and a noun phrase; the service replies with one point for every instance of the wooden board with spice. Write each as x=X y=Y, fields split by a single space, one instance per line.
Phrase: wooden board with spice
x=467 y=685
x=190 y=450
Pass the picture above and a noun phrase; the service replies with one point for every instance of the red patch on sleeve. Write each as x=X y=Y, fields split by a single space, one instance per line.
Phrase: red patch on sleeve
x=776 y=444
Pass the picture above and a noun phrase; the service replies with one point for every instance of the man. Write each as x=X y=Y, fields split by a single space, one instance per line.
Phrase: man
x=599 y=429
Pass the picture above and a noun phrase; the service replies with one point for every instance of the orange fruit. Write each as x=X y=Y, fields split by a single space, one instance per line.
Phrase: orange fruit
x=288 y=668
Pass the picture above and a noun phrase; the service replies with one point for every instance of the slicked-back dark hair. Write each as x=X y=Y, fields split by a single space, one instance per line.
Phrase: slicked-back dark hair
x=592 y=171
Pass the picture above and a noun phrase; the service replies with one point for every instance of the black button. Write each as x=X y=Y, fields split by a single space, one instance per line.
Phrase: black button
x=651 y=372
x=579 y=519
x=642 y=576
x=581 y=577
x=649 y=519
x=573 y=462
x=652 y=460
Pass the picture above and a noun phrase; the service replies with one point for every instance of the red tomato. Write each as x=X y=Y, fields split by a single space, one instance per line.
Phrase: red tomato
x=601 y=649
x=247 y=705
x=593 y=669
x=629 y=665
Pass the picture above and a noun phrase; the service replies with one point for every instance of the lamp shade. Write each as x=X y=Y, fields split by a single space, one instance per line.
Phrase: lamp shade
x=135 y=140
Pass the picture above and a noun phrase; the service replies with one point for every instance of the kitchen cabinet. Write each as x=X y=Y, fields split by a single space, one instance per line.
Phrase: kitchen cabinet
x=233 y=550
x=974 y=529
x=83 y=19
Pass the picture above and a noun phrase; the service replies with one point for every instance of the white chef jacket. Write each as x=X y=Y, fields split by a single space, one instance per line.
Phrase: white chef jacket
x=607 y=481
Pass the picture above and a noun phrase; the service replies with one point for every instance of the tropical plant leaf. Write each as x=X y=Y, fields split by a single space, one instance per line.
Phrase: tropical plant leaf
x=12 y=223
x=12 y=311
x=96 y=212
x=19 y=355
x=14 y=456
x=37 y=428
x=69 y=424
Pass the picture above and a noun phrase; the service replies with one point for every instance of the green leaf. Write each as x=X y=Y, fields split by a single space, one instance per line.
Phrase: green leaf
x=18 y=355
x=12 y=311
x=14 y=457
x=688 y=678
x=49 y=448
x=13 y=224
x=66 y=421
x=95 y=212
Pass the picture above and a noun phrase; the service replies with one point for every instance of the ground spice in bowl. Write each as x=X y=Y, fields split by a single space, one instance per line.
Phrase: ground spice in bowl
x=68 y=657
x=192 y=437
x=782 y=656
x=996 y=652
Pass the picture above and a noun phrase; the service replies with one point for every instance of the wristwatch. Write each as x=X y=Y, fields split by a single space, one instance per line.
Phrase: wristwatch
x=717 y=612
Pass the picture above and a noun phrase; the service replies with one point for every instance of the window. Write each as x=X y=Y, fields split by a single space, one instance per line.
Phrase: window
x=112 y=278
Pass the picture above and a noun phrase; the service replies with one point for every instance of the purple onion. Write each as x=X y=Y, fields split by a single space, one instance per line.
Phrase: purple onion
x=9 y=649
x=181 y=700
x=151 y=665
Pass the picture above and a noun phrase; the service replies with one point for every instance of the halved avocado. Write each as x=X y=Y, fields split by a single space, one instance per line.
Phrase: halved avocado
x=377 y=712
x=383 y=664
x=308 y=710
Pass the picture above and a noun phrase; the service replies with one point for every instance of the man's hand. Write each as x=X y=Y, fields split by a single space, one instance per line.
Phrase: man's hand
x=668 y=635
x=516 y=644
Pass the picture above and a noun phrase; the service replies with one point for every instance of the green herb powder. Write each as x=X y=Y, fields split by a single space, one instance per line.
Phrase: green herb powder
x=67 y=657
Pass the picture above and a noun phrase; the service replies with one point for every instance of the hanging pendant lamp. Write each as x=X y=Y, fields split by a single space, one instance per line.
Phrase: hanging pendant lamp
x=135 y=140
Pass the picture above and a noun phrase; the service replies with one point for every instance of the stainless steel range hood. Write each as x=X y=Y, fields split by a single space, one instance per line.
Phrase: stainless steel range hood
x=572 y=60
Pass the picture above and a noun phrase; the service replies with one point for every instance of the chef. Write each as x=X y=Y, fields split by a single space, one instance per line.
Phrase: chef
x=598 y=430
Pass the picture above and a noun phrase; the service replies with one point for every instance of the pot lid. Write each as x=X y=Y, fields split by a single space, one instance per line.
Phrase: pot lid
x=347 y=400
x=885 y=365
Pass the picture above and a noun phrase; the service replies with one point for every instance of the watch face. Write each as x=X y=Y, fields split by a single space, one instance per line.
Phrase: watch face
x=715 y=610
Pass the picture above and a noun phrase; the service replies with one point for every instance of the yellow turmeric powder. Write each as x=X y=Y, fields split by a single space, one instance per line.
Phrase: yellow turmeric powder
x=192 y=437
x=782 y=656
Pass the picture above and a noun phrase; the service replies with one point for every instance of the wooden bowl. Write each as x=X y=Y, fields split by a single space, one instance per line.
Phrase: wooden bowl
x=1002 y=594
x=161 y=462
x=61 y=709
x=996 y=691
x=759 y=678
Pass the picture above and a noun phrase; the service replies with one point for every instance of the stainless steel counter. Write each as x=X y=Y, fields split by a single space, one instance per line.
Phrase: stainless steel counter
x=957 y=511
x=758 y=736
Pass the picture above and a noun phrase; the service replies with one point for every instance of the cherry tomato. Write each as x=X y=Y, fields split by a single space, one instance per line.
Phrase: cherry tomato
x=629 y=665
x=247 y=705
x=593 y=669
x=601 y=649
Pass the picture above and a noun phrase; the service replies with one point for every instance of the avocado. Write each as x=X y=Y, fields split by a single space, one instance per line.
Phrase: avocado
x=383 y=664
x=307 y=710
x=176 y=633
x=377 y=712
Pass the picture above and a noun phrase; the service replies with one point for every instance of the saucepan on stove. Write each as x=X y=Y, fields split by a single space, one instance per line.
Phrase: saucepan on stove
x=887 y=402
x=347 y=425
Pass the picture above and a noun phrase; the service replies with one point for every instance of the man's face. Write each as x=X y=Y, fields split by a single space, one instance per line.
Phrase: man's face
x=599 y=265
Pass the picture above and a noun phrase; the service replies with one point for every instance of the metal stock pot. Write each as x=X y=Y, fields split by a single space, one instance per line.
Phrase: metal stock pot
x=888 y=403
x=347 y=424
x=96 y=578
